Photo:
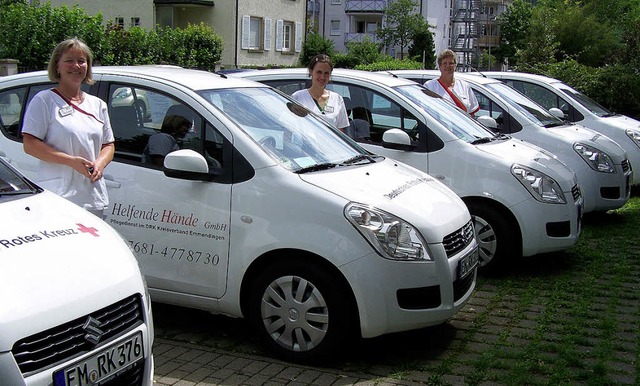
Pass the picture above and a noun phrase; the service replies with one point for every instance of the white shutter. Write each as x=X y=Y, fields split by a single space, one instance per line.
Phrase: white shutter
x=246 y=32
x=279 y=34
x=267 y=34
x=298 y=37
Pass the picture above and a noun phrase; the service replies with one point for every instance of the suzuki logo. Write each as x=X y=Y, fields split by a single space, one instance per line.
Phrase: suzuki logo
x=92 y=330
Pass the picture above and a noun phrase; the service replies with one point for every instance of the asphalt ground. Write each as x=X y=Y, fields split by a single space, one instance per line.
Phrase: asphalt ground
x=519 y=332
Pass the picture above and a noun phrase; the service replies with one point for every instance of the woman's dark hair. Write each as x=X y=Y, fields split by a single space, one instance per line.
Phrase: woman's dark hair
x=320 y=58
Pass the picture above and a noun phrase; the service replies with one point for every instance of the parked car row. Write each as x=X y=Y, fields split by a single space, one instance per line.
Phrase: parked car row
x=267 y=212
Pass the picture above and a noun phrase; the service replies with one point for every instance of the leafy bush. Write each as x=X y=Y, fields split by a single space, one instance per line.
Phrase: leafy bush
x=391 y=64
x=36 y=30
x=314 y=45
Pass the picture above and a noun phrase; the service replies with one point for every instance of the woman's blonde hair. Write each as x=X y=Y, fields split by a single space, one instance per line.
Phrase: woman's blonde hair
x=446 y=54
x=60 y=49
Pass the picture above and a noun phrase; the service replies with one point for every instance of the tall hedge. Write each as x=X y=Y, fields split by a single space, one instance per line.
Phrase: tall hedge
x=35 y=31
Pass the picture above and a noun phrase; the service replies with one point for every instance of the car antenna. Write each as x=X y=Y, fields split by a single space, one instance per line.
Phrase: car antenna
x=479 y=72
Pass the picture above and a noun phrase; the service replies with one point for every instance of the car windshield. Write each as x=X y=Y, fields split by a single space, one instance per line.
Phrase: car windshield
x=526 y=106
x=454 y=119
x=587 y=102
x=296 y=138
x=11 y=183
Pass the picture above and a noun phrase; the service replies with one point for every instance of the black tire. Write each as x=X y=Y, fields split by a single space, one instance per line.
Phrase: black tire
x=497 y=236
x=299 y=311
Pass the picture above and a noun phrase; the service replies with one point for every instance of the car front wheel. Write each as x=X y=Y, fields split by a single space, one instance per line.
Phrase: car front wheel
x=299 y=311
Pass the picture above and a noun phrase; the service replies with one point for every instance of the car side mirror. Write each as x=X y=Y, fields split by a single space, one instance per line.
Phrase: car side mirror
x=397 y=139
x=186 y=164
x=488 y=122
x=556 y=112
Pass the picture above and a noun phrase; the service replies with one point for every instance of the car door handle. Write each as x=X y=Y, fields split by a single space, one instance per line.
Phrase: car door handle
x=111 y=182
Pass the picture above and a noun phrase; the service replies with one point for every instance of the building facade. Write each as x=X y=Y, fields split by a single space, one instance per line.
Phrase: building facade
x=254 y=33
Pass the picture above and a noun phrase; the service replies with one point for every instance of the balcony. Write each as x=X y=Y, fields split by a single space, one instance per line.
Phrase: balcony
x=365 y=6
x=361 y=37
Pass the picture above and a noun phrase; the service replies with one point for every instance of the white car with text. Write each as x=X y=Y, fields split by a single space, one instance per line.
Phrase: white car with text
x=522 y=199
x=268 y=213
x=601 y=165
x=74 y=308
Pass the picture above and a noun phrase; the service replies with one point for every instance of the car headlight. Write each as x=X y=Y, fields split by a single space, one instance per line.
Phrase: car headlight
x=542 y=187
x=392 y=237
x=634 y=135
x=597 y=159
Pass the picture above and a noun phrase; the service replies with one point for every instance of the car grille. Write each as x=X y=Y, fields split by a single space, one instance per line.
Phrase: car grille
x=626 y=165
x=63 y=342
x=575 y=192
x=458 y=240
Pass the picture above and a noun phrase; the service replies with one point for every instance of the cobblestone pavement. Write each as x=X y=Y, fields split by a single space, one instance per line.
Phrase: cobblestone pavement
x=493 y=333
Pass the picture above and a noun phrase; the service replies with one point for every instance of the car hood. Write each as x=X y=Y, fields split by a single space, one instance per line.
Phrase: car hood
x=623 y=121
x=579 y=133
x=526 y=154
x=58 y=262
x=401 y=190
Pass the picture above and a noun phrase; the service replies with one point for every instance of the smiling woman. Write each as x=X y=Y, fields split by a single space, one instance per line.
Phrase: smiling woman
x=74 y=143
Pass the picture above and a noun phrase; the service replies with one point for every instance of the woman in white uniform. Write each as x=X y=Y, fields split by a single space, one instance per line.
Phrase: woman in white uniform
x=456 y=91
x=320 y=100
x=69 y=131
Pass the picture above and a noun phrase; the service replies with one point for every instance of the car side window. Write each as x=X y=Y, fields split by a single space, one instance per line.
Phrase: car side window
x=541 y=95
x=11 y=105
x=487 y=107
x=137 y=114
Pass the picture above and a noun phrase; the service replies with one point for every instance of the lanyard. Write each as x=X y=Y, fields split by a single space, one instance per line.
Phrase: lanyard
x=453 y=96
x=74 y=106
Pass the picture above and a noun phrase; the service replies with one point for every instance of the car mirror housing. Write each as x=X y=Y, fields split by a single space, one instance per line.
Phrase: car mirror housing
x=186 y=164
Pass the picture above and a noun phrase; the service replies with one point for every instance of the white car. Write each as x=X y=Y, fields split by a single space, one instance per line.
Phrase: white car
x=74 y=308
x=268 y=213
x=522 y=199
x=602 y=166
x=572 y=105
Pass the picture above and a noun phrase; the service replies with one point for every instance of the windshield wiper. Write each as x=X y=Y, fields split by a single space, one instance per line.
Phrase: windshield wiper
x=482 y=140
x=316 y=167
x=358 y=158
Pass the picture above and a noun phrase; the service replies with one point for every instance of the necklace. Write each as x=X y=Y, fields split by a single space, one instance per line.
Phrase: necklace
x=77 y=99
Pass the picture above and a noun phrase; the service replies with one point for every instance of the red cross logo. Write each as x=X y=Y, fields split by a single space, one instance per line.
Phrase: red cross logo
x=84 y=229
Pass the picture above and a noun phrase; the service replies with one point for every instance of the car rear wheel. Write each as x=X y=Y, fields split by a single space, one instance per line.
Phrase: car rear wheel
x=299 y=312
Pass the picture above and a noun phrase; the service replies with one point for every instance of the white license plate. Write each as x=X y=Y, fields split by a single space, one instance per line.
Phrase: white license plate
x=99 y=367
x=467 y=264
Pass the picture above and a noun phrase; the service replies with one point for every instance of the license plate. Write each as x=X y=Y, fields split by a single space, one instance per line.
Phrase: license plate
x=105 y=364
x=467 y=264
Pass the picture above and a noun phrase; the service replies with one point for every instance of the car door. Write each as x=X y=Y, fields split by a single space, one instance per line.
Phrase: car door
x=178 y=228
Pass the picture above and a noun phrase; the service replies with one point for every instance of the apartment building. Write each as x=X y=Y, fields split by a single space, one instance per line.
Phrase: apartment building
x=254 y=33
x=466 y=26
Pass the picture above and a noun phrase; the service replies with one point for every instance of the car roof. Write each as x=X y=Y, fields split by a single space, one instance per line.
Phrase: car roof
x=190 y=78
x=519 y=75
x=371 y=77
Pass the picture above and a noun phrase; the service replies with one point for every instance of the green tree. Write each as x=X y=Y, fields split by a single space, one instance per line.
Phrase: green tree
x=541 y=45
x=589 y=38
x=402 y=21
x=514 y=28
x=313 y=45
x=422 y=48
